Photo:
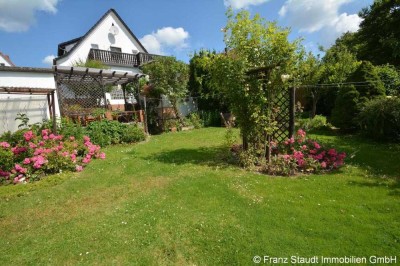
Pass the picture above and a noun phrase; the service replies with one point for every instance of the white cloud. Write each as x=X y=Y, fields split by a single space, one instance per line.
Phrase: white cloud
x=167 y=37
x=48 y=60
x=238 y=4
x=315 y=15
x=346 y=23
x=151 y=44
x=19 y=15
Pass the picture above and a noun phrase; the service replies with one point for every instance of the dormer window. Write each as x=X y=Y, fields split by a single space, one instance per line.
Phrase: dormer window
x=95 y=46
x=115 y=49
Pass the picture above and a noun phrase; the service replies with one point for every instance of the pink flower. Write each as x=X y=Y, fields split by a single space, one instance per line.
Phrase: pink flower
x=4 y=144
x=72 y=138
x=20 y=169
x=313 y=151
x=332 y=152
x=301 y=134
x=45 y=137
x=28 y=135
x=45 y=132
x=4 y=173
x=323 y=164
x=32 y=145
x=102 y=156
x=26 y=161
x=86 y=160
x=304 y=147
x=38 y=161
x=52 y=136
x=41 y=143
x=86 y=139
x=316 y=145
x=79 y=168
x=18 y=150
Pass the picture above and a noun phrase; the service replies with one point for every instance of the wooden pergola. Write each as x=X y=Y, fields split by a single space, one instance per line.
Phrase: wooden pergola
x=36 y=91
x=82 y=79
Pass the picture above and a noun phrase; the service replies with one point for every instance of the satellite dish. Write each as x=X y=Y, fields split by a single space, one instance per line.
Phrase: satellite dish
x=114 y=30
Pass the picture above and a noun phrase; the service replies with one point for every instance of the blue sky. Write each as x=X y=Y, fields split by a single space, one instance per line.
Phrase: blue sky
x=30 y=30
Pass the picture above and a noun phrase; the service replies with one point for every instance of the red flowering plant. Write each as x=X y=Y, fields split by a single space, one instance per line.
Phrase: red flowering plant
x=300 y=154
x=38 y=155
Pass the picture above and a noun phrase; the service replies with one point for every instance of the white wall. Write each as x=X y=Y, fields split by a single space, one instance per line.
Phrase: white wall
x=35 y=106
x=27 y=79
x=102 y=37
x=3 y=61
x=184 y=107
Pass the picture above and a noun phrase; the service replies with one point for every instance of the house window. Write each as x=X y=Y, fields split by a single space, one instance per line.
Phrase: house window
x=95 y=46
x=115 y=49
x=2 y=64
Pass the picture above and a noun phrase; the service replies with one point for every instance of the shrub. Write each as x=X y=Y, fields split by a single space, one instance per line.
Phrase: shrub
x=169 y=124
x=195 y=120
x=307 y=152
x=298 y=154
x=105 y=132
x=318 y=122
x=380 y=119
x=68 y=129
x=372 y=84
x=133 y=133
x=211 y=118
x=346 y=108
x=38 y=155
x=13 y=138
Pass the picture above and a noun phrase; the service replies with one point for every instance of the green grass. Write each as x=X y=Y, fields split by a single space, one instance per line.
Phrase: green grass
x=172 y=200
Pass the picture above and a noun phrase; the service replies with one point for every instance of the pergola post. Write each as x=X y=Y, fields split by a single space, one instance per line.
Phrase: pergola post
x=53 y=112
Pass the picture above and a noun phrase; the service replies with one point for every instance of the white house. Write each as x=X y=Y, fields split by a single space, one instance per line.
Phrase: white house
x=111 y=42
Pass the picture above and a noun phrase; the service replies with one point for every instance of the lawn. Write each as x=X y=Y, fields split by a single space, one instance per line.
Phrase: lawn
x=173 y=200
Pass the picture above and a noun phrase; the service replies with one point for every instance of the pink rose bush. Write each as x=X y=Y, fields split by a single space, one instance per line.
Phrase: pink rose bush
x=38 y=155
x=300 y=154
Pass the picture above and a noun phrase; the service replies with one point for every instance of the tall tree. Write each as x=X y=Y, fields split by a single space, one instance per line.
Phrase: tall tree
x=379 y=33
x=208 y=99
x=338 y=64
x=169 y=77
x=310 y=75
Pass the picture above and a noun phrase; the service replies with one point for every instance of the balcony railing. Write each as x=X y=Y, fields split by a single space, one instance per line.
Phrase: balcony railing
x=120 y=59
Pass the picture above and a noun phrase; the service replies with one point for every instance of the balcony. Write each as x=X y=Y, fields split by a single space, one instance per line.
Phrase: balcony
x=120 y=59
